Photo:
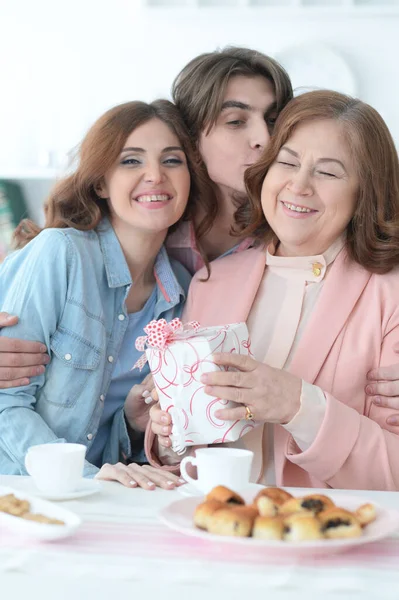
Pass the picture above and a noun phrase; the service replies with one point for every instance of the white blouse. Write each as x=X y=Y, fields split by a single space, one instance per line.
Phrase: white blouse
x=284 y=302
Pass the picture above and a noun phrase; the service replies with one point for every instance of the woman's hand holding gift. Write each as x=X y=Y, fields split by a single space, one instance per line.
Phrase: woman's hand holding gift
x=137 y=402
x=261 y=392
x=161 y=423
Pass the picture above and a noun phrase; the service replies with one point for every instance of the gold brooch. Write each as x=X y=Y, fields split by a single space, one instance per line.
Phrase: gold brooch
x=316 y=268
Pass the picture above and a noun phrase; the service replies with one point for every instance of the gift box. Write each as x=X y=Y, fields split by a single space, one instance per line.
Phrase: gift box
x=178 y=355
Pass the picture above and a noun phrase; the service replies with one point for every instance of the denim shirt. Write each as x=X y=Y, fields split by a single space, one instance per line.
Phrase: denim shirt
x=69 y=288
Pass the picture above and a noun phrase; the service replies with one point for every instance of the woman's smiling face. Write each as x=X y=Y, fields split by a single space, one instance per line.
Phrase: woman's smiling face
x=310 y=191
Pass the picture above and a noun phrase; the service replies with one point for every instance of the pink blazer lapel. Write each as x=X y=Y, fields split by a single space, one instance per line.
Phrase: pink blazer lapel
x=342 y=288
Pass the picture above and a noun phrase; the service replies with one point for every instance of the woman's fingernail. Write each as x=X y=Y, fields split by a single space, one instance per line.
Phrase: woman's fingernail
x=43 y=348
x=204 y=378
x=171 y=483
x=164 y=419
x=10 y=317
x=166 y=430
x=40 y=370
x=133 y=483
x=46 y=359
x=181 y=480
x=146 y=393
x=148 y=400
x=377 y=400
x=150 y=484
x=369 y=390
x=393 y=421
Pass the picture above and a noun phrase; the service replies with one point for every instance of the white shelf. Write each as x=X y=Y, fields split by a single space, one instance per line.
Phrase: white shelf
x=29 y=174
x=355 y=7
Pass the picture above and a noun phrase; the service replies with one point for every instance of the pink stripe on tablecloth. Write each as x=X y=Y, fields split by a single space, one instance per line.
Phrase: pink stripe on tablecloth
x=158 y=542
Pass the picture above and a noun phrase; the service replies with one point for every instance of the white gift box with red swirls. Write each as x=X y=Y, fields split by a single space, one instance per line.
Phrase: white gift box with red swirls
x=177 y=369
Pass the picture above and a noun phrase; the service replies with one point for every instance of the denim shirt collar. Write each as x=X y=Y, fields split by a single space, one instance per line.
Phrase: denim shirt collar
x=118 y=273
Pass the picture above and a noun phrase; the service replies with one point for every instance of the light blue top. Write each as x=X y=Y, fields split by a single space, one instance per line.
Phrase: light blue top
x=69 y=289
x=123 y=379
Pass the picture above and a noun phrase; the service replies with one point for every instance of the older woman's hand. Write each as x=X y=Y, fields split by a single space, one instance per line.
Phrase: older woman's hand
x=161 y=424
x=384 y=387
x=268 y=394
x=134 y=475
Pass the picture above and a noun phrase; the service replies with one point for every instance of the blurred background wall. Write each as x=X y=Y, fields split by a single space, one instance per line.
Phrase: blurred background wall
x=63 y=63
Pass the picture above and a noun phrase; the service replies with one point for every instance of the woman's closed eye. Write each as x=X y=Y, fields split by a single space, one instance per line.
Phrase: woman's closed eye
x=326 y=173
x=286 y=164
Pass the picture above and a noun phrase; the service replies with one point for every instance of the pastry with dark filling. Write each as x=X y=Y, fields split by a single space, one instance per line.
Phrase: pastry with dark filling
x=302 y=527
x=269 y=500
x=314 y=504
x=223 y=494
x=204 y=511
x=236 y=522
x=339 y=523
x=268 y=528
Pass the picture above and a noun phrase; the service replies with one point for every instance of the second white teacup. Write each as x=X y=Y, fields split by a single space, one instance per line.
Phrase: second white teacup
x=230 y=467
x=56 y=468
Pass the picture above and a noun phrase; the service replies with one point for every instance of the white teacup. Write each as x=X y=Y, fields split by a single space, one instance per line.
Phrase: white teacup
x=56 y=468
x=230 y=467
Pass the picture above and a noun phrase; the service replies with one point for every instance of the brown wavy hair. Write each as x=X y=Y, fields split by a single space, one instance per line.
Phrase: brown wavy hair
x=198 y=91
x=73 y=202
x=373 y=232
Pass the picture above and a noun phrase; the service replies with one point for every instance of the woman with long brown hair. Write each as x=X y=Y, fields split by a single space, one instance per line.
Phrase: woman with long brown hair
x=86 y=285
x=320 y=296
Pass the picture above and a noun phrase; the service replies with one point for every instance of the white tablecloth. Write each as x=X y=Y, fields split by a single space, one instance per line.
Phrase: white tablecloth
x=122 y=549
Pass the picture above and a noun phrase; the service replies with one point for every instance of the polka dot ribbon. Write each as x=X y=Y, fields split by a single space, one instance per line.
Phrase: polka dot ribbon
x=159 y=335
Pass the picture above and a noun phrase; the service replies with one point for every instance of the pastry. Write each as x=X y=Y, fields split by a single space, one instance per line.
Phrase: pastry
x=366 y=514
x=339 y=523
x=42 y=519
x=268 y=528
x=314 y=504
x=223 y=494
x=13 y=506
x=269 y=500
x=204 y=511
x=236 y=522
x=301 y=528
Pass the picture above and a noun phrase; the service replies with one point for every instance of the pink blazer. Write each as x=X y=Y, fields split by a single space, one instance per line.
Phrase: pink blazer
x=354 y=327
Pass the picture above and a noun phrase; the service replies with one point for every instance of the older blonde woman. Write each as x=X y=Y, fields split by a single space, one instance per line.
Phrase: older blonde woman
x=320 y=296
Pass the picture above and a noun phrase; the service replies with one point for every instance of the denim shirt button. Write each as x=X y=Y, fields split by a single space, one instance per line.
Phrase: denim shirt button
x=102 y=397
x=68 y=356
x=121 y=317
x=89 y=436
x=110 y=359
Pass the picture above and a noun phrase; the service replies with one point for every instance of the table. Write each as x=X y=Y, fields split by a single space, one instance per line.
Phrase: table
x=123 y=549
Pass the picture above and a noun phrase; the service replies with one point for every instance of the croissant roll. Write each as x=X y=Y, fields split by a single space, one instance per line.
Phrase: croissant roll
x=302 y=528
x=269 y=500
x=313 y=503
x=339 y=523
x=204 y=511
x=224 y=494
x=366 y=514
x=235 y=522
x=268 y=528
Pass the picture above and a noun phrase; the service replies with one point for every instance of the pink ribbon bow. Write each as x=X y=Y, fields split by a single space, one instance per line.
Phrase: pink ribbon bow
x=159 y=335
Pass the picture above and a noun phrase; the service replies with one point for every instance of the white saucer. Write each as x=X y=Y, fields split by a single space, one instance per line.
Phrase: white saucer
x=86 y=487
x=188 y=489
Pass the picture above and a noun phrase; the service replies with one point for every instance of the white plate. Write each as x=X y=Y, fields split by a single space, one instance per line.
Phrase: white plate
x=86 y=487
x=39 y=531
x=179 y=516
x=188 y=489
x=315 y=65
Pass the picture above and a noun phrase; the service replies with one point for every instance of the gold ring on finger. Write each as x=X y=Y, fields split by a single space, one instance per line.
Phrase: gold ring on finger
x=249 y=416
